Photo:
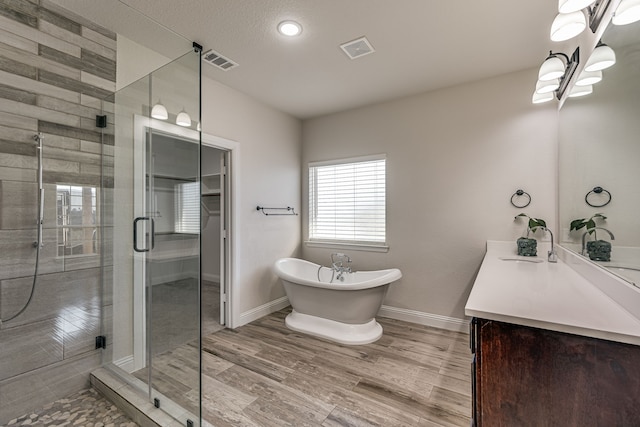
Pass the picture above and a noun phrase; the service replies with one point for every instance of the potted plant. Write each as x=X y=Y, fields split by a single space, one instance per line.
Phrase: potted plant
x=527 y=246
x=598 y=250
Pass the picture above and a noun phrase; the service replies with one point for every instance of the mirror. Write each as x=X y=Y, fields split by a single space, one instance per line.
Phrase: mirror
x=599 y=146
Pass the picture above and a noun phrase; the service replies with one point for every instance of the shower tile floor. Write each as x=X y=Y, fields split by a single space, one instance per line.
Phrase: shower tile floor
x=85 y=408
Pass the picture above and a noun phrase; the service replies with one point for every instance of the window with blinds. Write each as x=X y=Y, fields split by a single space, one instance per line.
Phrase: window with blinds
x=347 y=201
x=187 y=208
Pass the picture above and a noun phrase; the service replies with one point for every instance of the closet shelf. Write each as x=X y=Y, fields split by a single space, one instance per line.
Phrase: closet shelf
x=211 y=185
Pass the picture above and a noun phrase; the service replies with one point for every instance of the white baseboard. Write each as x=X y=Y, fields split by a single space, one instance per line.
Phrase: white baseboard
x=126 y=364
x=261 y=311
x=427 y=319
x=211 y=277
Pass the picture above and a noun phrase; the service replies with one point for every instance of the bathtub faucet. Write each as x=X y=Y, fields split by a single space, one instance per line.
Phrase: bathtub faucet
x=337 y=263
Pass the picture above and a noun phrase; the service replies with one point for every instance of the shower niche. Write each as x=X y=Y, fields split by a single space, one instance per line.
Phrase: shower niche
x=77 y=221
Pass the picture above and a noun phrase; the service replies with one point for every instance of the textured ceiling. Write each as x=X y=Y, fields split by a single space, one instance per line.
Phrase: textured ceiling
x=420 y=45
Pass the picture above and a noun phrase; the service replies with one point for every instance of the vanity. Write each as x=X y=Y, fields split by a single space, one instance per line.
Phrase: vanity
x=551 y=346
x=558 y=344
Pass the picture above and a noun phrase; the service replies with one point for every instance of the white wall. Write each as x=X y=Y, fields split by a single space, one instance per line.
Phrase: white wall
x=269 y=175
x=454 y=158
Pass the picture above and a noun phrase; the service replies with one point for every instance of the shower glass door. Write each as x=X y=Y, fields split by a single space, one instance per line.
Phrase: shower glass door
x=154 y=219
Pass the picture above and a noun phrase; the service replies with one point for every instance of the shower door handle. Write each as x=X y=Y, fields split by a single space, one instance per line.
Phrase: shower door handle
x=135 y=233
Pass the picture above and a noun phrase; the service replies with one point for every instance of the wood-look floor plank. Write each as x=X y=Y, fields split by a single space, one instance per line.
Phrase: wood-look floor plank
x=250 y=362
x=416 y=404
x=275 y=400
x=263 y=374
x=350 y=405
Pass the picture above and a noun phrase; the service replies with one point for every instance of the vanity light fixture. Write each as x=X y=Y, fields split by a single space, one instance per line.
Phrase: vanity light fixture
x=159 y=111
x=601 y=58
x=628 y=11
x=289 y=28
x=183 y=119
x=567 y=25
x=578 y=91
x=554 y=75
x=587 y=78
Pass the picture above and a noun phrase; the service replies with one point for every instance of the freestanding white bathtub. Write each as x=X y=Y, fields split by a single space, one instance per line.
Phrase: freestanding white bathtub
x=342 y=311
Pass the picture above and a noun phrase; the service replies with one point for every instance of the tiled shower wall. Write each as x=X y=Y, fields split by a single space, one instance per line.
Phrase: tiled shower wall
x=55 y=68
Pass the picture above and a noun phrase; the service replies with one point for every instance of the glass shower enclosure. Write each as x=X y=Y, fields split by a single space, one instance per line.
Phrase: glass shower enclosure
x=151 y=246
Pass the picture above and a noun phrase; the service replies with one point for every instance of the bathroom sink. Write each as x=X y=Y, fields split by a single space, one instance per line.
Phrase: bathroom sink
x=521 y=259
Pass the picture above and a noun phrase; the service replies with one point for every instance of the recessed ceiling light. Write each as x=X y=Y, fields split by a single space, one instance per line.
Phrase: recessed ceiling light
x=289 y=28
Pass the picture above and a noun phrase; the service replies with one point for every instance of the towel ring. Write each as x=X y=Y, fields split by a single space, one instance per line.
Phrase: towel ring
x=597 y=190
x=519 y=193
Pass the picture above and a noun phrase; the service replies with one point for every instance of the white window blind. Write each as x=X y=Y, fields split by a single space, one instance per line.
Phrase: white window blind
x=187 y=208
x=347 y=201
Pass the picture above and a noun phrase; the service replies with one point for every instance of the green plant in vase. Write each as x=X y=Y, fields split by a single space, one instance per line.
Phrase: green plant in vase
x=598 y=250
x=526 y=245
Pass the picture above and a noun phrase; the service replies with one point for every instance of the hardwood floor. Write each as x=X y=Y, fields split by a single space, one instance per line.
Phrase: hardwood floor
x=264 y=374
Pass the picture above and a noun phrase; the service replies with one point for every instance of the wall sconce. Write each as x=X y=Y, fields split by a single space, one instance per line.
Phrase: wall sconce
x=539 y=98
x=554 y=75
x=578 y=91
x=587 y=78
x=183 y=119
x=628 y=11
x=571 y=20
x=159 y=111
x=567 y=25
x=601 y=58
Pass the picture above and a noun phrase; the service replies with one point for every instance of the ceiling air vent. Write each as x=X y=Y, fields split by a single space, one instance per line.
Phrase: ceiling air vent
x=357 y=48
x=214 y=58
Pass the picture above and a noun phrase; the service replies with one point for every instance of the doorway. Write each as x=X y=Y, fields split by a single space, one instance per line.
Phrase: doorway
x=214 y=250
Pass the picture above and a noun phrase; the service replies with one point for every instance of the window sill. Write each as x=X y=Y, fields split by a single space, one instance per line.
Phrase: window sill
x=351 y=246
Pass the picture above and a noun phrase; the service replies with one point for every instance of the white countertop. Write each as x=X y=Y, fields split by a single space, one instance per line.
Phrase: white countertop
x=553 y=296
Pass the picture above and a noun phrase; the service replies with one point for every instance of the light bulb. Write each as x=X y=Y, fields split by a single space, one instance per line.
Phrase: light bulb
x=159 y=112
x=289 y=28
x=580 y=91
x=547 y=86
x=183 y=119
x=568 y=6
x=567 y=25
x=539 y=98
x=587 y=78
x=601 y=58
x=628 y=11
x=551 y=68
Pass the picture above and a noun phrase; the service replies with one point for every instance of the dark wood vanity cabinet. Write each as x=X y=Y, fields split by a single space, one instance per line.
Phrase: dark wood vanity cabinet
x=524 y=376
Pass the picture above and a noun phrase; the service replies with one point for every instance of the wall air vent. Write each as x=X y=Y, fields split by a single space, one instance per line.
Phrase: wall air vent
x=214 y=58
x=357 y=48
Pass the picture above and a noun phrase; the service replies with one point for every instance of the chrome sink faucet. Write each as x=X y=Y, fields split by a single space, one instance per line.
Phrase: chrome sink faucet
x=552 y=256
x=584 y=238
x=337 y=264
